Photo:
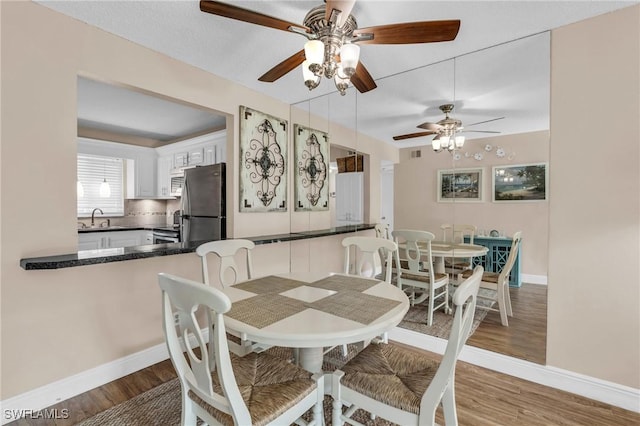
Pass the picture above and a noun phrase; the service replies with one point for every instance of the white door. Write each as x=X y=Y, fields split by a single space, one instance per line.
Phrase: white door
x=386 y=195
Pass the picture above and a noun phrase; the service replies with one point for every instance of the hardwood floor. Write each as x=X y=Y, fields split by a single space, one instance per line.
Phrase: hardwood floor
x=484 y=397
x=526 y=336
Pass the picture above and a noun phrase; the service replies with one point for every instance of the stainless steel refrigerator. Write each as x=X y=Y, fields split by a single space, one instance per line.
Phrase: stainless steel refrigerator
x=203 y=204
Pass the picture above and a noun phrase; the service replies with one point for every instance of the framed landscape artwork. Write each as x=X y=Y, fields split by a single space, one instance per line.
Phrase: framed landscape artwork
x=460 y=185
x=522 y=182
x=263 y=165
x=311 y=165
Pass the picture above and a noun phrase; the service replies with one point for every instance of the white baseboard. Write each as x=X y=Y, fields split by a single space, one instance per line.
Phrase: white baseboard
x=533 y=279
x=590 y=387
x=52 y=393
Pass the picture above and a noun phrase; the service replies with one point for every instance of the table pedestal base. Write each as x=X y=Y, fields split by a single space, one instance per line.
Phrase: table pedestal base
x=310 y=359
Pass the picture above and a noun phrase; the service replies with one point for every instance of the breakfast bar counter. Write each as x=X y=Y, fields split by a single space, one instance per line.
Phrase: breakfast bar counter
x=94 y=257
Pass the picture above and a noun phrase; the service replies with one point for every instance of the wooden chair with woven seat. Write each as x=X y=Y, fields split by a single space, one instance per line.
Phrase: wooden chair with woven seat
x=415 y=271
x=400 y=384
x=499 y=281
x=456 y=234
x=229 y=274
x=219 y=387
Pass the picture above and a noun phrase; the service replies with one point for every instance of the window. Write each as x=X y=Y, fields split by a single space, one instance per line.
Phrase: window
x=93 y=170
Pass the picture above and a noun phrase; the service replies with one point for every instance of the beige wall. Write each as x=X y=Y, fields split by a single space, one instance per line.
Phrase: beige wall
x=62 y=322
x=594 y=258
x=416 y=206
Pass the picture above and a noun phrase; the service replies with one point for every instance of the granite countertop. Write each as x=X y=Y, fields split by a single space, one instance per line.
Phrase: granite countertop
x=126 y=228
x=94 y=257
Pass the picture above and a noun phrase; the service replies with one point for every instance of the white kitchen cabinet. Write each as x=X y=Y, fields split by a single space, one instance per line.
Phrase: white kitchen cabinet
x=113 y=239
x=90 y=241
x=165 y=164
x=148 y=238
x=124 y=238
x=194 y=156
x=141 y=176
x=349 y=198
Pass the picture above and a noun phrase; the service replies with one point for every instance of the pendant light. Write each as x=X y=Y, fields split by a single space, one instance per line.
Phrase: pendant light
x=105 y=189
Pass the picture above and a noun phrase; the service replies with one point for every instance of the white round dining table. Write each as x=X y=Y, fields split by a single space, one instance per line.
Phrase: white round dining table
x=313 y=311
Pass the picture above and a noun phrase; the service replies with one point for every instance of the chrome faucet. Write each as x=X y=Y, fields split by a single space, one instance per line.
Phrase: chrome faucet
x=93 y=214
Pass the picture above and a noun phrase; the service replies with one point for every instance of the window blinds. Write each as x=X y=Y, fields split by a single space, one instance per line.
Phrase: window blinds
x=92 y=171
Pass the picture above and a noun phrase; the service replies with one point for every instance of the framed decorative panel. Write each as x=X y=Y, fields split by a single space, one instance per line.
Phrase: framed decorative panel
x=522 y=182
x=263 y=165
x=311 y=153
x=460 y=185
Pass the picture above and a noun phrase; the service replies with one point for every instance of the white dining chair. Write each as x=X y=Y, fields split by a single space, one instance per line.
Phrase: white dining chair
x=383 y=230
x=367 y=249
x=219 y=387
x=226 y=251
x=416 y=273
x=370 y=252
x=456 y=234
x=229 y=274
x=400 y=384
x=499 y=282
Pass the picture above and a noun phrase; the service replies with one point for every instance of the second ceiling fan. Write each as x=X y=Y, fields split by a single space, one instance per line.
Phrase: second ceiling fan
x=333 y=37
x=445 y=130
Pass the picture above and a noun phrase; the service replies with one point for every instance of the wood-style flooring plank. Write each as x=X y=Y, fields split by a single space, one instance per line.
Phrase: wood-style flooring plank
x=526 y=336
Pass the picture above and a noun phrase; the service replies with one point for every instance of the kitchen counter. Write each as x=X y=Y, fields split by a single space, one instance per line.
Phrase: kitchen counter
x=95 y=257
x=125 y=228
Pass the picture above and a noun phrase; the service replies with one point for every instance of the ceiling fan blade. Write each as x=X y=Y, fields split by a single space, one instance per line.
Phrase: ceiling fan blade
x=485 y=121
x=362 y=80
x=412 y=135
x=434 y=127
x=411 y=32
x=479 y=131
x=344 y=6
x=283 y=67
x=245 y=15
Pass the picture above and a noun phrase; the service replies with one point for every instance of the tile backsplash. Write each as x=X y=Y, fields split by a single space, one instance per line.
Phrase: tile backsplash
x=141 y=213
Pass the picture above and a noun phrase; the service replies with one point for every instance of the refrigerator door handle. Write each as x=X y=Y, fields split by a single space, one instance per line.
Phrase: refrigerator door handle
x=184 y=229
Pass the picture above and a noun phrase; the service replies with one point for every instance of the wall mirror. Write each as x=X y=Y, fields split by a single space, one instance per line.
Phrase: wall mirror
x=511 y=80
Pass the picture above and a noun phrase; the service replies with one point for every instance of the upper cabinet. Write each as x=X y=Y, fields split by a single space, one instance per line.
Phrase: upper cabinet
x=141 y=176
x=199 y=151
x=147 y=171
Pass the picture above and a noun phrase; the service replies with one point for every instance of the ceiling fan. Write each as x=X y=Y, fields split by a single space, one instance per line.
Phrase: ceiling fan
x=445 y=130
x=333 y=37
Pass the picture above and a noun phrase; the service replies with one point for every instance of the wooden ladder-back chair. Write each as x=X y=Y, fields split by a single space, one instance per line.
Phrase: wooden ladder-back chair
x=499 y=281
x=456 y=234
x=415 y=271
x=219 y=387
x=400 y=384
x=229 y=274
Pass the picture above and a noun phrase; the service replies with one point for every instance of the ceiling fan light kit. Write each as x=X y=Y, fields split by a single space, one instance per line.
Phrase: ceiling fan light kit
x=446 y=131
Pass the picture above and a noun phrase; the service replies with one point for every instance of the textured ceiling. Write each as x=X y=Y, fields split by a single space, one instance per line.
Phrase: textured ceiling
x=501 y=51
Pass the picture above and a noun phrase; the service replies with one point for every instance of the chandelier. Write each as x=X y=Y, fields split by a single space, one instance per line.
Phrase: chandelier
x=329 y=52
x=447 y=128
